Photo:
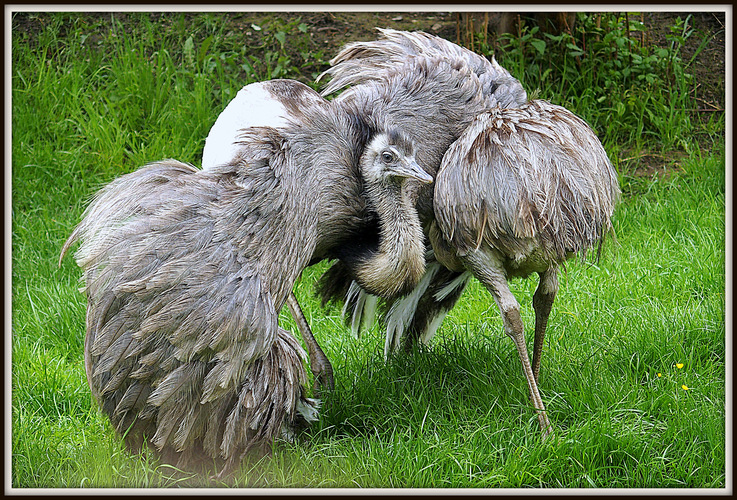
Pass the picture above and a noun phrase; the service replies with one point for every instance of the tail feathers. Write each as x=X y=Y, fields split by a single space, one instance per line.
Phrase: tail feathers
x=418 y=314
x=360 y=307
x=459 y=282
x=402 y=312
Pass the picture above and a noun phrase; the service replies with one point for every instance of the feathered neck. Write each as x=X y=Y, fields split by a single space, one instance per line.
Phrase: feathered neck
x=399 y=262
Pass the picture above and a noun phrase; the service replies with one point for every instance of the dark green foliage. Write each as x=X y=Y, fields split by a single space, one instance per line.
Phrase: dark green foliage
x=629 y=91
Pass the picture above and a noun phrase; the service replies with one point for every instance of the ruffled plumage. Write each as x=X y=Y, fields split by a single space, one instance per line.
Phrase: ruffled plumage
x=182 y=315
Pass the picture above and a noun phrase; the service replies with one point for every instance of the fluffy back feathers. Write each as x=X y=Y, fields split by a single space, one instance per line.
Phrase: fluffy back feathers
x=524 y=179
x=362 y=62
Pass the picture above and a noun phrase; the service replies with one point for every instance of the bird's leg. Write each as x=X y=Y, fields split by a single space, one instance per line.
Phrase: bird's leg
x=319 y=363
x=489 y=271
x=542 y=302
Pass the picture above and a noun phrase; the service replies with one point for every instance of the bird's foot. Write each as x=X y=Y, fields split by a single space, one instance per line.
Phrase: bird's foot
x=546 y=426
x=324 y=382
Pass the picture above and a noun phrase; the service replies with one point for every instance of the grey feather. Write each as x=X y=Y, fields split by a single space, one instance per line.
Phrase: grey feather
x=133 y=399
x=362 y=62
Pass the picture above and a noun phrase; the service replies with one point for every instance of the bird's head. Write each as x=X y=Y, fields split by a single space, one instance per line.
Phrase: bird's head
x=389 y=159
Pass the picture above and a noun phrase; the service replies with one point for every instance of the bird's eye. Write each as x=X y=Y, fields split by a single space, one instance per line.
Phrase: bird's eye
x=387 y=157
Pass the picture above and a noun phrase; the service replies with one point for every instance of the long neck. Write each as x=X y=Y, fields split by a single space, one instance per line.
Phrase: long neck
x=399 y=262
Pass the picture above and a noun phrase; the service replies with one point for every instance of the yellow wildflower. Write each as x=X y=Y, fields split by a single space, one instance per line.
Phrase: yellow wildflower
x=659 y=374
x=679 y=365
x=684 y=387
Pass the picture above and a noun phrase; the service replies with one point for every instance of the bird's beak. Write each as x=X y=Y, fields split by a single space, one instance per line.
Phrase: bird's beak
x=412 y=170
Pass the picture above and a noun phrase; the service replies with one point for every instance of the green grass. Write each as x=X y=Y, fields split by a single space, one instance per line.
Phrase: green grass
x=95 y=98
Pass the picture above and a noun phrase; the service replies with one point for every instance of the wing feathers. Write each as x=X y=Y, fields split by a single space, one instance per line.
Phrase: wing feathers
x=182 y=322
x=526 y=178
x=361 y=62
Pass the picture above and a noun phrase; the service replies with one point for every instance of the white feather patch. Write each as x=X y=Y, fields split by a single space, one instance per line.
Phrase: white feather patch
x=353 y=295
x=308 y=409
x=253 y=106
x=432 y=328
x=403 y=310
x=459 y=281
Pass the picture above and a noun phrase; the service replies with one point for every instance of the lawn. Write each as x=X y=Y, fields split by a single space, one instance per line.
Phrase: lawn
x=633 y=372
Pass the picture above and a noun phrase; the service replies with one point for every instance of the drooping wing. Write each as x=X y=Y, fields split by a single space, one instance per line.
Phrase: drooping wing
x=273 y=103
x=526 y=178
x=181 y=304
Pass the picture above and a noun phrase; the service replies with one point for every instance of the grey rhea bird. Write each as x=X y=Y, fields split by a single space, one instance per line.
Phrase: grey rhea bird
x=520 y=192
x=432 y=89
x=186 y=270
x=521 y=186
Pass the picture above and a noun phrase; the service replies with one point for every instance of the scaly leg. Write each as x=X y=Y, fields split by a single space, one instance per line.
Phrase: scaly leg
x=488 y=269
x=319 y=363
x=542 y=302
